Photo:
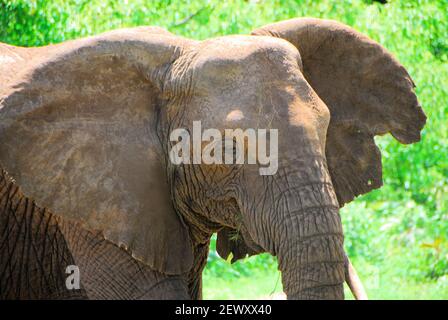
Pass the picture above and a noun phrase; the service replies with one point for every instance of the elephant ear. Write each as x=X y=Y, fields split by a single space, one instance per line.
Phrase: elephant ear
x=78 y=133
x=367 y=91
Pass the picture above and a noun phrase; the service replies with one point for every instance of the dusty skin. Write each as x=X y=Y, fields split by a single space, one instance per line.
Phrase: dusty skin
x=84 y=131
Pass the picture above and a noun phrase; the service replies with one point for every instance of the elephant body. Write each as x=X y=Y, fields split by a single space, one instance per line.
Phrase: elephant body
x=37 y=247
x=85 y=131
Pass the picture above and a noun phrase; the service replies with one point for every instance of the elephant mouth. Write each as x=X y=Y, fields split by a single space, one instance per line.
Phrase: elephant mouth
x=236 y=243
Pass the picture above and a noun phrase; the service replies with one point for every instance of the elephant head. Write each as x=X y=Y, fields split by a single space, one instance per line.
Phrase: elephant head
x=85 y=130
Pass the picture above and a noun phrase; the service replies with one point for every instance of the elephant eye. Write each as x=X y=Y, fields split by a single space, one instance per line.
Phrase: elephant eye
x=230 y=148
x=223 y=151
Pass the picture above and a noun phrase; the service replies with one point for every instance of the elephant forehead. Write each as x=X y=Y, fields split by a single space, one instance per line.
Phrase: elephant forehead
x=239 y=51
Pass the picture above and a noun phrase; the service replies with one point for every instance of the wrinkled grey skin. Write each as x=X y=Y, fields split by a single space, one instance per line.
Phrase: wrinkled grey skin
x=85 y=125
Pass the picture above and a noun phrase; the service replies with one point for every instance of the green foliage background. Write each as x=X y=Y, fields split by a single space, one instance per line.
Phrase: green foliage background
x=397 y=236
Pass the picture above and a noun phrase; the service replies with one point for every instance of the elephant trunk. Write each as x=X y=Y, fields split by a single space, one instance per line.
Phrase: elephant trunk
x=310 y=246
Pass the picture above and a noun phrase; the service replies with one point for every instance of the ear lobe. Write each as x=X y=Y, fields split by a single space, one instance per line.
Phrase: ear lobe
x=78 y=133
x=367 y=91
x=353 y=159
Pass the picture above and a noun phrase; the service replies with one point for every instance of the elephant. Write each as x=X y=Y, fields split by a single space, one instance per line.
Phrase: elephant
x=85 y=130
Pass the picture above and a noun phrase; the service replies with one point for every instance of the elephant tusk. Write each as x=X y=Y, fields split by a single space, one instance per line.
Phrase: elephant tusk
x=354 y=283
